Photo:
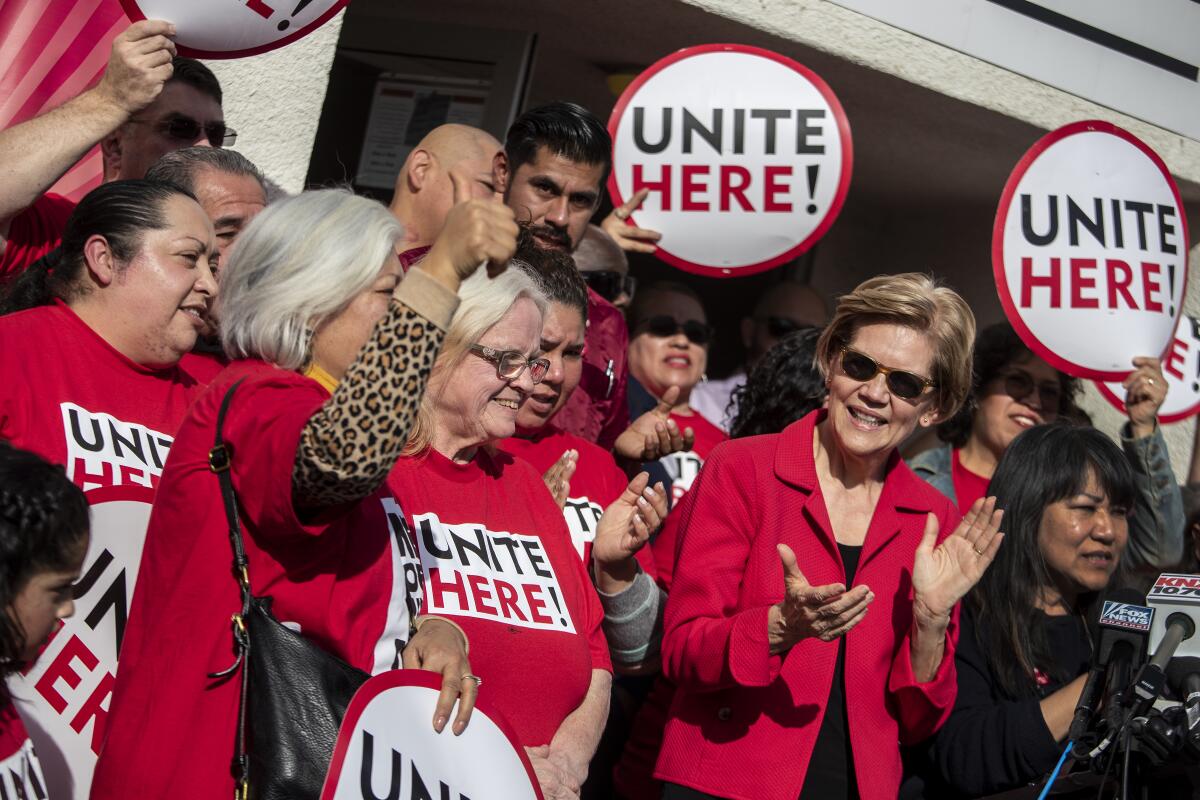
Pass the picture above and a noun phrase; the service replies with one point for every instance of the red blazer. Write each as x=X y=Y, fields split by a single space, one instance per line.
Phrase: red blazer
x=744 y=722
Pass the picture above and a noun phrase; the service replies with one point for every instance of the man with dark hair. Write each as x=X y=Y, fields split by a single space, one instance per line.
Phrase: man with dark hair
x=148 y=102
x=555 y=160
x=554 y=163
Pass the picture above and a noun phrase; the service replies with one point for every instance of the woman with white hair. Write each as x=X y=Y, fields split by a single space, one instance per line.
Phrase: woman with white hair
x=332 y=352
x=496 y=553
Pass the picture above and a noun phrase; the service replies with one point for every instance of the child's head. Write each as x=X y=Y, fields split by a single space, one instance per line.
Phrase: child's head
x=43 y=539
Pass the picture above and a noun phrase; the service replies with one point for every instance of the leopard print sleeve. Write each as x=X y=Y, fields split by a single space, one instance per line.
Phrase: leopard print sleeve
x=349 y=445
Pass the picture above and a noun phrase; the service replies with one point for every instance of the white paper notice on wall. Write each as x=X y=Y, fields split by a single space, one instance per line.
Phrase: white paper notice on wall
x=235 y=28
x=1089 y=250
x=746 y=155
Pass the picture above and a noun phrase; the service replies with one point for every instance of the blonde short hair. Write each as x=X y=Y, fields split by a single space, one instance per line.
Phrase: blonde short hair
x=483 y=301
x=915 y=301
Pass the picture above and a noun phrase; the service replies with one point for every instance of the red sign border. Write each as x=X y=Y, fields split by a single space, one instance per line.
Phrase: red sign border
x=379 y=684
x=998 y=273
x=135 y=15
x=1166 y=419
x=843 y=126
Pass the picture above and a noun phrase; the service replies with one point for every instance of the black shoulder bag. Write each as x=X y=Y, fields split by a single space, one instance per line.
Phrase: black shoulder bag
x=293 y=694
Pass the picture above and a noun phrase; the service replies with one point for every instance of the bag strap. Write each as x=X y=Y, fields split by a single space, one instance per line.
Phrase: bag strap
x=220 y=460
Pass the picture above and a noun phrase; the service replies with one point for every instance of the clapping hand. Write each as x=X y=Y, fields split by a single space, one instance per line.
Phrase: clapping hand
x=825 y=612
x=943 y=574
x=558 y=477
x=628 y=523
x=654 y=434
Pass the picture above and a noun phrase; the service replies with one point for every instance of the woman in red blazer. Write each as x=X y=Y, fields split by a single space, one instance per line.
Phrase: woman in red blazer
x=791 y=684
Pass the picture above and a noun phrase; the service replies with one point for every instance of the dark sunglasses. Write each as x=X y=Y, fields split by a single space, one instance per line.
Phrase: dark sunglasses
x=903 y=384
x=511 y=363
x=664 y=326
x=1020 y=385
x=186 y=129
x=610 y=284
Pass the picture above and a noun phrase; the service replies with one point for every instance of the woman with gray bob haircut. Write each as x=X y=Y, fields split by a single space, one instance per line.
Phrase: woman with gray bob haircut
x=332 y=353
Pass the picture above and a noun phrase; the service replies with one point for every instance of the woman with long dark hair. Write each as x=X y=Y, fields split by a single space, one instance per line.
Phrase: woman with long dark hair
x=1025 y=646
x=784 y=386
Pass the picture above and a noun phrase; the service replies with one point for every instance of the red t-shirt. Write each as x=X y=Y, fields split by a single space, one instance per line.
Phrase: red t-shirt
x=968 y=487
x=20 y=773
x=73 y=399
x=497 y=558
x=596 y=484
x=33 y=233
x=204 y=366
x=348 y=582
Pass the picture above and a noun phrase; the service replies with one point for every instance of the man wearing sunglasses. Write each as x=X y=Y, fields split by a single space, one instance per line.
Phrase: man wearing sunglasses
x=782 y=309
x=605 y=268
x=148 y=102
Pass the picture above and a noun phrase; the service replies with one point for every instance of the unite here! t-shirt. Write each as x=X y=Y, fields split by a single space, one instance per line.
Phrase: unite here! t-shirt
x=596 y=484
x=73 y=399
x=497 y=558
x=348 y=582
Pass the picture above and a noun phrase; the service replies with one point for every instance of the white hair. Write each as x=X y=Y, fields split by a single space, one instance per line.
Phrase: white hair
x=299 y=262
x=483 y=301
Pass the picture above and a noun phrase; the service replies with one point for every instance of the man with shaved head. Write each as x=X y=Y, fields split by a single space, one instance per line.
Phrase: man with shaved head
x=450 y=158
x=782 y=309
x=605 y=267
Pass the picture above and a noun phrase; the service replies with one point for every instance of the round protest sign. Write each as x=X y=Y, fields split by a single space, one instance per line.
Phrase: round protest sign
x=64 y=696
x=746 y=155
x=387 y=747
x=235 y=28
x=1181 y=366
x=1089 y=250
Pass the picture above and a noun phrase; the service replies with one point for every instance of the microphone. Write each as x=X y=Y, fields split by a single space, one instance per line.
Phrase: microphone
x=1175 y=599
x=1124 y=630
x=1183 y=678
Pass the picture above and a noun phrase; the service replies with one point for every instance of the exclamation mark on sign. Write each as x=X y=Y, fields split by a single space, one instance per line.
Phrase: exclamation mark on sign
x=813 y=169
x=283 y=26
x=558 y=605
x=1171 y=281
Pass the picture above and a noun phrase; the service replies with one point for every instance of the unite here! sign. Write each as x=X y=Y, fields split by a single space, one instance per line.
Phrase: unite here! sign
x=387 y=748
x=746 y=155
x=235 y=28
x=1089 y=251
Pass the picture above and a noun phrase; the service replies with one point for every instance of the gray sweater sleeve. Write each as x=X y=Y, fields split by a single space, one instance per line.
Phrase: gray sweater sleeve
x=633 y=622
x=1156 y=527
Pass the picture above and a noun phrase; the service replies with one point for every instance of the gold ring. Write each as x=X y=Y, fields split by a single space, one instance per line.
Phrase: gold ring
x=978 y=552
x=1149 y=381
x=478 y=680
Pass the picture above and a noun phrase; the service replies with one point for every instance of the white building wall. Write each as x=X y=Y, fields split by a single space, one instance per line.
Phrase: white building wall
x=274 y=102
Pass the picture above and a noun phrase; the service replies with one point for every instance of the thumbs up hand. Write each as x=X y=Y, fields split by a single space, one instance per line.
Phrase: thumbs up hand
x=477 y=232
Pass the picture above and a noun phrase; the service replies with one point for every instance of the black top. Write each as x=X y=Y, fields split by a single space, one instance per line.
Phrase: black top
x=994 y=741
x=831 y=768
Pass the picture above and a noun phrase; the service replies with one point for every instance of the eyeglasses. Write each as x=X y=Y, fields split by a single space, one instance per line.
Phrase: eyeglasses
x=1020 y=385
x=664 y=326
x=903 y=384
x=186 y=129
x=511 y=363
x=610 y=284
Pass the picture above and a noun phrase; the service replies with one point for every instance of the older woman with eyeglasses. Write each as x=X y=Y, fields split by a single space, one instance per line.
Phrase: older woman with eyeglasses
x=811 y=624
x=496 y=554
x=1014 y=390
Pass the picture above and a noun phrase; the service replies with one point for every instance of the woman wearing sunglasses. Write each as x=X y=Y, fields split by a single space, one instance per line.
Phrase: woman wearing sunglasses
x=1014 y=390
x=813 y=623
x=495 y=552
